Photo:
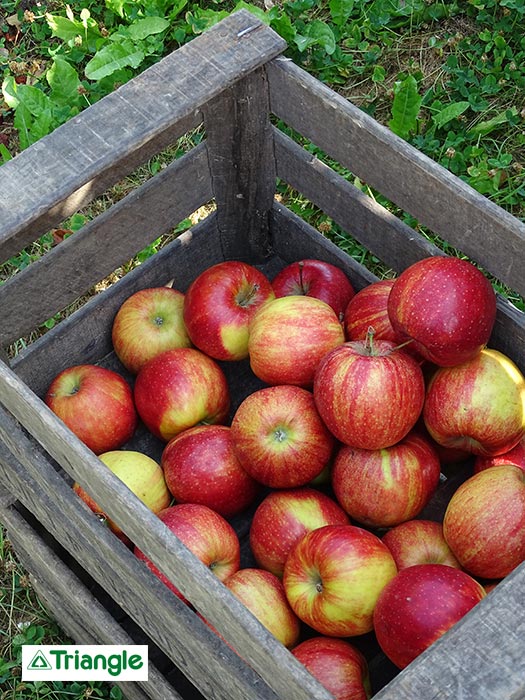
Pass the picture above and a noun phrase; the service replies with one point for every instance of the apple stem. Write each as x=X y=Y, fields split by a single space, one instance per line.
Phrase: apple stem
x=369 y=341
x=301 y=284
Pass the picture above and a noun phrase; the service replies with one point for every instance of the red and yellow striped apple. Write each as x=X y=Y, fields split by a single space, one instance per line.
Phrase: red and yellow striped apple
x=419 y=542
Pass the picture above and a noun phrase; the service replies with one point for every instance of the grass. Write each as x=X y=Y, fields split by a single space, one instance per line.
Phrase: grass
x=447 y=76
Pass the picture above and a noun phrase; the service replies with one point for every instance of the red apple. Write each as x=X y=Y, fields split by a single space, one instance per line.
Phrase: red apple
x=263 y=594
x=149 y=322
x=477 y=406
x=279 y=438
x=200 y=466
x=369 y=393
x=419 y=605
x=219 y=306
x=333 y=577
x=283 y=517
x=484 y=523
x=96 y=404
x=382 y=488
x=367 y=309
x=179 y=389
x=315 y=278
x=141 y=474
x=446 y=306
x=419 y=542
x=338 y=665
x=289 y=336
x=208 y=535
x=515 y=455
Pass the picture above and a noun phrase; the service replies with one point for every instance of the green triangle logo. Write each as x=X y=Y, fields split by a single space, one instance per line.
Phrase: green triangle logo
x=39 y=662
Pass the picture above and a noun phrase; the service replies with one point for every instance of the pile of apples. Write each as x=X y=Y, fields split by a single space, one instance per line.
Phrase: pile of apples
x=362 y=397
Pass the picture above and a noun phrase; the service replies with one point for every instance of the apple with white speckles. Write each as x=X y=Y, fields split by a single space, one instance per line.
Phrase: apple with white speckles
x=200 y=466
x=219 y=305
x=419 y=542
x=446 y=306
x=419 y=605
x=283 y=517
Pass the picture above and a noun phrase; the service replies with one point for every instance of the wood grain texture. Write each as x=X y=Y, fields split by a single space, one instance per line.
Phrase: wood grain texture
x=202 y=655
x=73 y=606
x=417 y=184
x=102 y=137
x=242 y=166
x=70 y=269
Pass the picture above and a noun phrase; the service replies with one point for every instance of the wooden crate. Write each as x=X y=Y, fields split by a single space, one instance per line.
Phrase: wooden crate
x=232 y=80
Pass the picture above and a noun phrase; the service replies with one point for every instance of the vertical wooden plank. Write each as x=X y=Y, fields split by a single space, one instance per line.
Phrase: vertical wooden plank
x=240 y=154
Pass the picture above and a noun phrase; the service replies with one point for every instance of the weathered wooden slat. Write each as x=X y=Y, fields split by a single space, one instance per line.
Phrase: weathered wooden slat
x=39 y=487
x=71 y=268
x=438 y=199
x=242 y=166
x=73 y=606
x=101 y=138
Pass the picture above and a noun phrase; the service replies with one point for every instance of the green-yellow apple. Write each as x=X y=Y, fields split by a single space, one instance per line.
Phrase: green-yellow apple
x=263 y=594
x=279 y=437
x=419 y=605
x=208 y=535
x=478 y=406
x=288 y=337
x=445 y=306
x=147 y=323
x=369 y=393
x=96 y=404
x=484 y=523
x=141 y=474
x=219 y=305
x=333 y=577
x=283 y=517
x=419 y=542
x=179 y=389
x=200 y=466
x=382 y=488
x=339 y=665
x=315 y=278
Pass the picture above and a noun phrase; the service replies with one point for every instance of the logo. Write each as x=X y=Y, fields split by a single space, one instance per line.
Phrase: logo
x=70 y=662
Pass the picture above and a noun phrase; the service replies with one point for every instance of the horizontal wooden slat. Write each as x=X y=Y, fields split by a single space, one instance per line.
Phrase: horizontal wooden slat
x=100 y=140
x=71 y=268
x=41 y=489
x=417 y=184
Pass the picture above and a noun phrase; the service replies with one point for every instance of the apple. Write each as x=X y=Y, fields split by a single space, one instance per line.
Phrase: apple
x=96 y=404
x=516 y=456
x=382 y=488
x=419 y=605
x=279 y=437
x=208 y=535
x=141 y=474
x=263 y=594
x=200 y=466
x=289 y=336
x=368 y=308
x=338 y=665
x=147 y=323
x=333 y=577
x=179 y=389
x=315 y=278
x=446 y=306
x=419 y=542
x=369 y=393
x=283 y=517
x=478 y=406
x=219 y=305
x=484 y=523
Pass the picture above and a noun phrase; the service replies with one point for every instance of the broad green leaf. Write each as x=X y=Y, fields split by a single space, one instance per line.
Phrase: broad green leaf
x=283 y=25
x=340 y=11
x=257 y=11
x=4 y=153
x=489 y=125
x=449 y=112
x=63 y=81
x=33 y=99
x=9 y=90
x=303 y=42
x=405 y=107
x=112 y=57
x=323 y=35
x=147 y=26
x=64 y=28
